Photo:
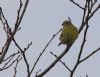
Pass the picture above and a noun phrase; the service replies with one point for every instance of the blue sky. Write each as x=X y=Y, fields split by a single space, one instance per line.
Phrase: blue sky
x=42 y=19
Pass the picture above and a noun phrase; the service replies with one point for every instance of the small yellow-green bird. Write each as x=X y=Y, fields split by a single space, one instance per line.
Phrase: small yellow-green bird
x=69 y=33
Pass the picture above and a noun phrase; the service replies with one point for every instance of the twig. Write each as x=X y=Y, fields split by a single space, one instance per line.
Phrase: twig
x=86 y=75
x=18 y=13
x=44 y=50
x=62 y=62
x=9 y=64
x=23 y=54
x=79 y=56
x=18 y=21
x=25 y=49
x=83 y=18
x=10 y=35
x=0 y=13
x=8 y=41
x=90 y=55
x=90 y=16
x=97 y=8
x=76 y=4
x=54 y=62
x=38 y=71
x=23 y=11
x=84 y=40
x=11 y=56
x=15 y=68
x=93 y=3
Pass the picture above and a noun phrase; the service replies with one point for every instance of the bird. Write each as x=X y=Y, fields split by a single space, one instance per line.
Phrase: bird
x=69 y=33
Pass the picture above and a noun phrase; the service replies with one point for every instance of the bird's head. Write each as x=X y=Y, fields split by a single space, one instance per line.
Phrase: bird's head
x=66 y=22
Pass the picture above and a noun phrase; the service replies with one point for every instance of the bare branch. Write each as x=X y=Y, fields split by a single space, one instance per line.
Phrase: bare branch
x=90 y=55
x=97 y=8
x=38 y=71
x=8 y=41
x=86 y=17
x=62 y=62
x=83 y=18
x=11 y=56
x=76 y=4
x=6 y=67
x=23 y=54
x=54 y=62
x=25 y=49
x=18 y=13
x=79 y=55
x=15 y=68
x=44 y=50
x=8 y=62
x=19 y=19
x=84 y=40
x=86 y=75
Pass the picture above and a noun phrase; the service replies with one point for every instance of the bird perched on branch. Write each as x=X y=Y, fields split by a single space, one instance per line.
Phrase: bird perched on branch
x=69 y=33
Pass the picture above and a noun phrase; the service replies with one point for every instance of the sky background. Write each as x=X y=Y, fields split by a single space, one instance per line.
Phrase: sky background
x=42 y=19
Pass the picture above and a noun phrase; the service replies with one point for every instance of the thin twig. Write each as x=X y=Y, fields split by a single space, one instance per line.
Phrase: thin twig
x=23 y=54
x=86 y=75
x=44 y=50
x=79 y=55
x=76 y=4
x=18 y=21
x=62 y=62
x=83 y=43
x=15 y=68
x=11 y=56
x=23 y=12
x=97 y=8
x=54 y=62
x=9 y=64
x=18 y=13
x=38 y=71
x=8 y=41
x=84 y=40
x=90 y=55
x=25 y=49
x=90 y=16
x=83 y=18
